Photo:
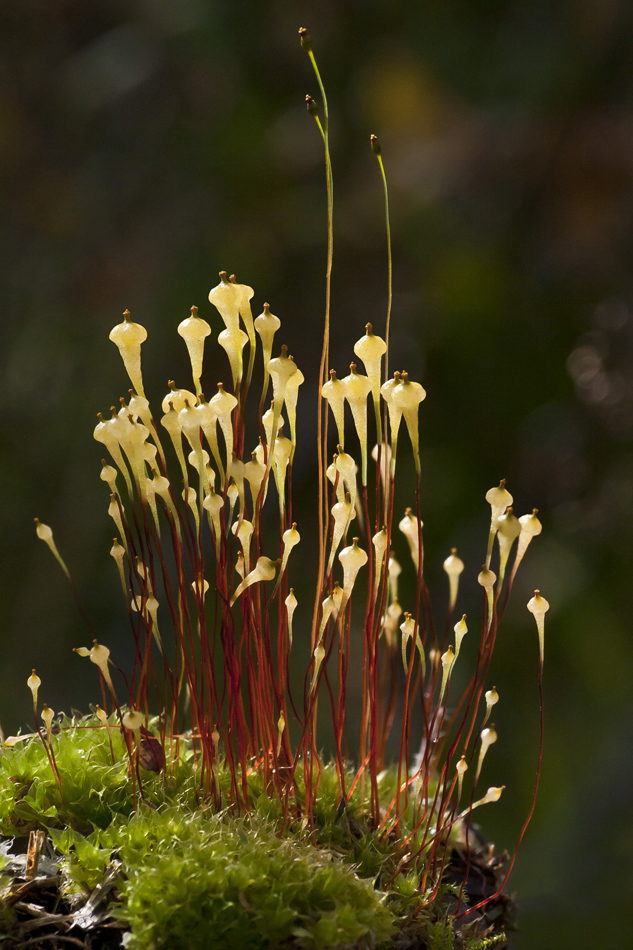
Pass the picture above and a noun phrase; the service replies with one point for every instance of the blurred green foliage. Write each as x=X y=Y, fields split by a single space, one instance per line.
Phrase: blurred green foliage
x=145 y=145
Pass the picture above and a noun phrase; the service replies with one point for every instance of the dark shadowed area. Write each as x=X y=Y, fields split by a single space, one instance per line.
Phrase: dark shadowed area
x=145 y=145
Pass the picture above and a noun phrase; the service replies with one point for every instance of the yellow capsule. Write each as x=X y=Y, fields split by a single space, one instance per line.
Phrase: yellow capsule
x=194 y=331
x=531 y=527
x=406 y=397
x=395 y=415
x=352 y=558
x=409 y=527
x=357 y=388
x=334 y=392
x=448 y=661
x=45 y=534
x=492 y=698
x=223 y=404
x=128 y=337
x=488 y=579
x=460 y=630
x=47 y=718
x=499 y=499
x=254 y=472
x=488 y=738
x=538 y=607
x=291 y=606
x=342 y=514
x=508 y=530
x=461 y=768
x=264 y=570
x=453 y=566
x=371 y=349
x=233 y=342
x=225 y=297
x=379 y=542
x=290 y=539
x=176 y=398
x=291 y=399
x=243 y=530
x=267 y=325
x=34 y=683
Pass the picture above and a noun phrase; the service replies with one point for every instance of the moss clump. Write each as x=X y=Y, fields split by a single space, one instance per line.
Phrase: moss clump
x=190 y=877
x=198 y=880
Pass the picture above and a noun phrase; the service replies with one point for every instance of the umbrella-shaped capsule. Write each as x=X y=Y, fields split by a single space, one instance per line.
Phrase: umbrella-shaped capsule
x=194 y=331
x=128 y=336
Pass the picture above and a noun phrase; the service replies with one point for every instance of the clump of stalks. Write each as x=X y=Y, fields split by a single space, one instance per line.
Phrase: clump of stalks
x=191 y=548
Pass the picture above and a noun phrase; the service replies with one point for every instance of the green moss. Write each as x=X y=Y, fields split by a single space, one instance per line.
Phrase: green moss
x=189 y=877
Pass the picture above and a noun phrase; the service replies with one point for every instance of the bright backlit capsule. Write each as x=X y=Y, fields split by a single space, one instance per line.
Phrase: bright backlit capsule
x=379 y=542
x=352 y=558
x=267 y=325
x=531 y=527
x=223 y=404
x=407 y=396
x=34 y=683
x=319 y=654
x=488 y=738
x=357 y=388
x=488 y=579
x=128 y=337
x=254 y=472
x=408 y=630
x=214 y=504
x=243 y=296
x=508 y=530
x=291 y=539
x=225 y=298
x=103 y=434
x=47 y=717
x=460 y=630
x=291 y=606
x=395 y=415
x=371 y=349
x=492 y=795
x=45 y=534
x=346 y=467
x=243 y=530
x=99 y=655
x=176 y=398
x=492 y=698
x=281 y=369
x=334 y=392
x=264 y=570
x=453 y=566
x=291 y=399
x=108 y=474
x=409 y=527
x=461 y=768
x=448 y=661
x=538 y=607
x=133 y=720
x=233 y=342
x=499 y=499
x=194 y=331
x=117 y=552
x=342 y=514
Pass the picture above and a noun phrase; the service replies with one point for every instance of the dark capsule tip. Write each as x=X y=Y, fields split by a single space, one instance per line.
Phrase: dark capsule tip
x=375 y=145
x=306 y=39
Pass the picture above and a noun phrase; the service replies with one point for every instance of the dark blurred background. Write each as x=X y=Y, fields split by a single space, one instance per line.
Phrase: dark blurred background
x=146 y=144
